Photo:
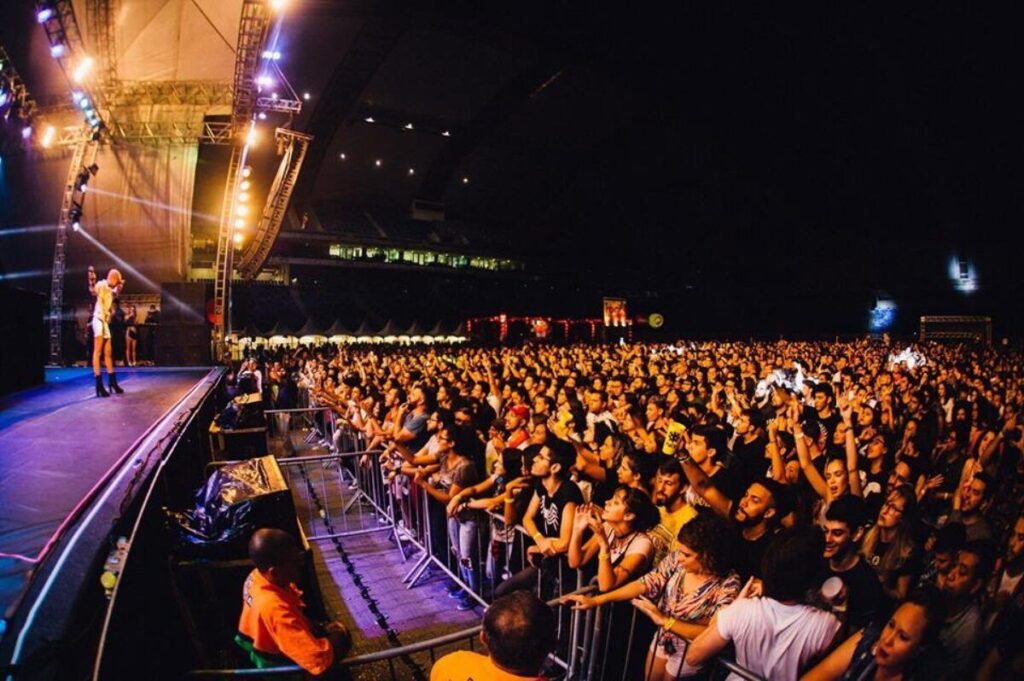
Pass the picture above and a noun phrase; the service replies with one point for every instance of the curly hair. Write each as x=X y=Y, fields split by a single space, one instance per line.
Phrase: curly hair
x=712 y=539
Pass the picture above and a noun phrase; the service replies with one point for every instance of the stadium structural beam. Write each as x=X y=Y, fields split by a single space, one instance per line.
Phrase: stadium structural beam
x=252 y=35
x=256 y=253
x=61 y=28
x=84 y=155
x=151 y=93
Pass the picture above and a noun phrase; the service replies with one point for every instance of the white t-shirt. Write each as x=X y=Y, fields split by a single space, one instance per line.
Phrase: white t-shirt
x=775 y=640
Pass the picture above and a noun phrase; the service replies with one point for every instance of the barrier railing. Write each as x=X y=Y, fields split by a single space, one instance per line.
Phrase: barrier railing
x=348 y=493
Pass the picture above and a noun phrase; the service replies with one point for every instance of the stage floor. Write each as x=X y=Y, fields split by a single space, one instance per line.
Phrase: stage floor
x=58 y=440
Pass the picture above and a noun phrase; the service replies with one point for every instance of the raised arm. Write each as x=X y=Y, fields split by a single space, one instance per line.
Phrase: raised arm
x=701 y=483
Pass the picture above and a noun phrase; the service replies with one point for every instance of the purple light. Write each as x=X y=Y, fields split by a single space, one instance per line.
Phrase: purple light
x=57 y=51
x=3 y=98
x=44 y=15
x=26 y=132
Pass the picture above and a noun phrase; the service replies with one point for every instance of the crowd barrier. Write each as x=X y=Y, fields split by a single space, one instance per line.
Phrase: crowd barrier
x=348 y=493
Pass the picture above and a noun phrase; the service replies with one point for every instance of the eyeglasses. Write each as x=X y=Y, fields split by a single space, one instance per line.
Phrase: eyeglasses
x=891 y=505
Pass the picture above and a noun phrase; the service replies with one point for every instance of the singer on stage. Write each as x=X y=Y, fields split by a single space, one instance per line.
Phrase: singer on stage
x=105 y=292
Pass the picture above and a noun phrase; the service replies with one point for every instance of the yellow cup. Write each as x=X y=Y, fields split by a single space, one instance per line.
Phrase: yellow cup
x=672 y=438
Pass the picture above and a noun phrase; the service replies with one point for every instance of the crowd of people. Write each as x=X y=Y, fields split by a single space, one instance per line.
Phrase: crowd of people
x=830 y=510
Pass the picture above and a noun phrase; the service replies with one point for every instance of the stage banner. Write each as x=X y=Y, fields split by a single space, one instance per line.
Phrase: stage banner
x=615 y=312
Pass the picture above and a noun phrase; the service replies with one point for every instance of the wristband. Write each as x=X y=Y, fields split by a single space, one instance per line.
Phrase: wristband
x=602 y=555
x=509 y=501
x=669 y=623
x=537 y=536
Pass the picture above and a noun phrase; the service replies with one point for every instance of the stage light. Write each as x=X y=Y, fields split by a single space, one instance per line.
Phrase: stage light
x=412 y=171
x=57 y=51
x=246 y=171
x=465 y=180
x=44 y=15
x=239 y=223
x=243 y=197
x=238 y=239
x=377 y=163
x=3 y=98
x=77 y=96
x=242 y=211
x=26 y=132
x=408 y=126
x=83 y=69
x=250 y=139
x=369 y=119
x=76 y=225
x=273 y=95
x=446 y=134
x=271 y=55
x=262 y=115
x=244 y=186
x=305 y=96
x=278 y=5
x=84 y=103
x=342 y=156
x=48 y=136
x=264 y=81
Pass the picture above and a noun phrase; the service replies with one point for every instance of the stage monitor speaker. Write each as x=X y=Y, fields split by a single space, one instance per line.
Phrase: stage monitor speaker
x=182 y=344
x=183 y=303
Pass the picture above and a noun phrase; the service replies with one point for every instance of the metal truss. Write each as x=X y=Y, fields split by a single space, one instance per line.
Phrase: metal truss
x=173 y=92
x=258 y=250
x=99 y=17
x=61 y=28
x=22 y=102
x=289 y=106
x=252 y=34
x=154 y=133
x=223 y=264
x=84 y=154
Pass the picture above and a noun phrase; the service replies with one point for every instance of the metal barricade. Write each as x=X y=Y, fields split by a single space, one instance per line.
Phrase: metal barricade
x=291 y=432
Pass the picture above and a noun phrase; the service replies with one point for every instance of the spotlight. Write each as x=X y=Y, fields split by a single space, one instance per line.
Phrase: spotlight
x=446 y=134
x=82 y=180
x=465 y=180
x=57 y=51
x=26 y=132
x=369 y=119
x=264 y=81
x=75 y=216
x=278 y=5
x=250 y=138
x=243 y=197
x=246 y=171
x=48 y=136
x=271 y=55
x=239 y=223
x=412 y=171
x=244 y=186
x=83 y=69
x=238 y=239
x=262 y=115
x=377 y=163
x=408 y=126
x=305 y=96
x=242 y=211
x=342 y=156
x=44 y=15
x=77 y=96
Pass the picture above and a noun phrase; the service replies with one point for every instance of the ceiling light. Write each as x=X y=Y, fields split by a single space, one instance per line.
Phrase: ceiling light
x=412 y=171
x=369 y=119
x=305 y=96
x=377 y=163
x=446 y=134
x=342 y=156
x=465 y=180
x=408 y=126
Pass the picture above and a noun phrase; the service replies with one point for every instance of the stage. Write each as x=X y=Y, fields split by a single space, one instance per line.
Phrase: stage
x=59 y=444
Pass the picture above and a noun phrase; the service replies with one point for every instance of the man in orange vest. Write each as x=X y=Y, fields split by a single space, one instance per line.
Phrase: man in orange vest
x=273 y=627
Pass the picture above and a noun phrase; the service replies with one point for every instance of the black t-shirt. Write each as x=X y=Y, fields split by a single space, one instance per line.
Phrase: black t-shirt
x=748 y=559
x=731 y=481
x=549 y=515
x=830 y=423
x=864 y=598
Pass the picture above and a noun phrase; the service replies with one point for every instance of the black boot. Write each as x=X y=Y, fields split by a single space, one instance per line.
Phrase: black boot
x=114 y=387
x=100 y=390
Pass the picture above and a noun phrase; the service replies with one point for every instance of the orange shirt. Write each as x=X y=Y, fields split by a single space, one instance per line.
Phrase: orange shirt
x=273 y=620
x=464 y=665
